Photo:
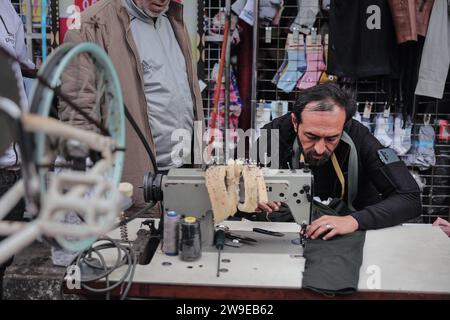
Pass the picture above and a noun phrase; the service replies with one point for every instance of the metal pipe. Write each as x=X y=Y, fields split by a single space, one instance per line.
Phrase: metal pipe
x=29 y=31
x=254 y=65
x=227 y=82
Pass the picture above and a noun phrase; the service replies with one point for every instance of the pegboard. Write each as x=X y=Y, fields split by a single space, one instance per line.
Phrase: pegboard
x=271 y=53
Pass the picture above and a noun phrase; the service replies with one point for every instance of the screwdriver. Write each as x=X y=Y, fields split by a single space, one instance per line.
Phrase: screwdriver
x=219 y=242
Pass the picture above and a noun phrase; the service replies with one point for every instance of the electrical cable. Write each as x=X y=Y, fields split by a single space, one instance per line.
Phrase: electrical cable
x=125 y=256
x=142 y=138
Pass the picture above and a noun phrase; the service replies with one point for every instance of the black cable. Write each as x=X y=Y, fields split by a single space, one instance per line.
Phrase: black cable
x=125 y=256
x=142 y=138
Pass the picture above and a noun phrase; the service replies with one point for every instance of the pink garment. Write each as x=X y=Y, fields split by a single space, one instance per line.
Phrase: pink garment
x=443 y=224
x=234 y=112
x=314 y=67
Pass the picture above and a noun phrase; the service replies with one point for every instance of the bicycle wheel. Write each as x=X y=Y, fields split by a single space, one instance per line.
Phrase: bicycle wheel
x=106 y=116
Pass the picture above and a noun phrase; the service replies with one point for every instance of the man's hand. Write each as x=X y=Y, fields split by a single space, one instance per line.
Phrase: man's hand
x=268 y=206
x=334 y=225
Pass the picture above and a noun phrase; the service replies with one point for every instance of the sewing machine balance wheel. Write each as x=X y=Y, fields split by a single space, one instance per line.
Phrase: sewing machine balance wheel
x=107 y=118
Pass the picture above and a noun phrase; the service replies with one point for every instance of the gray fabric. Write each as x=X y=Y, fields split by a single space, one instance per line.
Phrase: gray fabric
x=306 y=16
x=332 y=266
x=166 y=85
x=436 y=53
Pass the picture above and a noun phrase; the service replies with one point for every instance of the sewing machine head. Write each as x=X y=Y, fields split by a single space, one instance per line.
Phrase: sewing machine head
x=184 y=191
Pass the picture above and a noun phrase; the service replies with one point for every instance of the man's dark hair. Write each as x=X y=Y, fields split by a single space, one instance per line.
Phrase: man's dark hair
x=327 y=95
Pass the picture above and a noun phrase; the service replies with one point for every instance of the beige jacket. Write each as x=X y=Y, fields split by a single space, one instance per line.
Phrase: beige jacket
x=107 y=24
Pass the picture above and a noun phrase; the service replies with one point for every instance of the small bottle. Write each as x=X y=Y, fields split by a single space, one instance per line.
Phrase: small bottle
x=190 y=239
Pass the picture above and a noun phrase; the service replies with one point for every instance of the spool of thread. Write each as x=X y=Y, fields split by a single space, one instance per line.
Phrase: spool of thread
x=190 y=239
x=170 y=236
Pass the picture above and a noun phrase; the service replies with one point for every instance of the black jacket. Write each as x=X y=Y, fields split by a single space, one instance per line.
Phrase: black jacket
x=387 y=195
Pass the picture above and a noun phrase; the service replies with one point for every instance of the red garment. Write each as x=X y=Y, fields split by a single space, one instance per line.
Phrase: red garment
x=244 y=74
x=411 y=18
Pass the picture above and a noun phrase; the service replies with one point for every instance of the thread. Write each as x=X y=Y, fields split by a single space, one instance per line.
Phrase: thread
x=190 y=242
x=170 y=236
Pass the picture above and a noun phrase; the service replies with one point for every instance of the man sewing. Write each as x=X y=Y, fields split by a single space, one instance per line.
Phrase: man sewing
x=367 y=186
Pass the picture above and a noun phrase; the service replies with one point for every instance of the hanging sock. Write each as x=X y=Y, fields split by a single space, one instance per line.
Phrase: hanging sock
x=269 y=9
x=277 y=76
x=314 y=68
x=381 y=128
x=425 y=146
x=402 y=135
x=293 y=67
x=279 y=108
x=390 y=128
x=306 y=16
x=422 y=153
x=365 y=119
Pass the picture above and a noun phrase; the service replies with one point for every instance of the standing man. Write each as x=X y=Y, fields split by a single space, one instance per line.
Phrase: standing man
x=149 y=46
x=12 y=39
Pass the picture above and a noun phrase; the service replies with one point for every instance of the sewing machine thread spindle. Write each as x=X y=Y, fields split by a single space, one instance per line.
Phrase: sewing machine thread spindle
x=170 y=237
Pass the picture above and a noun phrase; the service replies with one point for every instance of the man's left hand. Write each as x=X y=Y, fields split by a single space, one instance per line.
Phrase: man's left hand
x=333 y=225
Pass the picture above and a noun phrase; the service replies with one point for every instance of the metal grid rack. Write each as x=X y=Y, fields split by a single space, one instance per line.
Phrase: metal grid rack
x=211 y=51
x=32 y=27
x=436 y=192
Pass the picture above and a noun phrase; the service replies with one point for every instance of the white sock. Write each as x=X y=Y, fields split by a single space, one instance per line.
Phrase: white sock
x=402 y=136
x=381 y=127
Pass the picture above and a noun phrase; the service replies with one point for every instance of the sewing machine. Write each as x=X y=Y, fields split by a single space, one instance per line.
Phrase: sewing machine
x=184 y=191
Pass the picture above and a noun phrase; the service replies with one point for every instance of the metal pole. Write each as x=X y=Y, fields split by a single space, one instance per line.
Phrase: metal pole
x=44 y=29
x=29 y=31
x=227 y=83
x=254 y=68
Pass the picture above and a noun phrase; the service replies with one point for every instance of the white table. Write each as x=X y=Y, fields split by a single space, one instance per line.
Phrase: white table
x=402 y=261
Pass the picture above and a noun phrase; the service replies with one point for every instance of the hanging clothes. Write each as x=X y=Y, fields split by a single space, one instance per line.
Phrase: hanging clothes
x=362 y=39
x=411 y=18
x=244 y=74
x=436 y=53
